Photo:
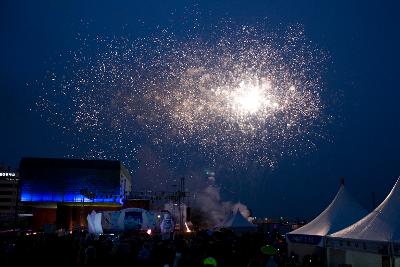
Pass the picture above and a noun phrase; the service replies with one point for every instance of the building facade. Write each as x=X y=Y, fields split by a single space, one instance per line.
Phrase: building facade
x=73 y=180
x=9 y=183
x=62 y=191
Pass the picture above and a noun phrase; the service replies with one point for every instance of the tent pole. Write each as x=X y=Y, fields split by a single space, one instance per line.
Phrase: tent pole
x=392 y=258
x=325 y=254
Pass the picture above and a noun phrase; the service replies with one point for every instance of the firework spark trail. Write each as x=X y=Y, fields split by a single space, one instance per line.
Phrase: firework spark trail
x=242 y=95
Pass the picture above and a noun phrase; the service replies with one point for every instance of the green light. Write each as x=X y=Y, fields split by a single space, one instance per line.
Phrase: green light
x=210 y=261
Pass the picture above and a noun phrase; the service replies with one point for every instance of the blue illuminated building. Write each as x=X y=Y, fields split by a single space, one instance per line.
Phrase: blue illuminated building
x=73 y=180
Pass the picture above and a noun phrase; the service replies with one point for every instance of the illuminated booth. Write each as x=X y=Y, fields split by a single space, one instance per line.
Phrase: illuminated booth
x=64 y=191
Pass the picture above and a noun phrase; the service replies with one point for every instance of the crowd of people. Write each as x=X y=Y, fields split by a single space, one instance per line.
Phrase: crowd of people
x=204 y=248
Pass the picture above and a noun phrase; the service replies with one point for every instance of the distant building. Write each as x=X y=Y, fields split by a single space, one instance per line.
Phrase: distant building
x=73 y=180
x=8 y=194
x=64 y=191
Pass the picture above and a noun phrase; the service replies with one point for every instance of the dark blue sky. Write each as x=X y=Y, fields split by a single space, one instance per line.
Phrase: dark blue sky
x=361 y=37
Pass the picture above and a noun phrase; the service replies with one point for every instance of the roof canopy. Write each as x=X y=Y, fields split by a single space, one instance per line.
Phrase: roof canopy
x=237 y=221
x=341 y=212
x=382 y=224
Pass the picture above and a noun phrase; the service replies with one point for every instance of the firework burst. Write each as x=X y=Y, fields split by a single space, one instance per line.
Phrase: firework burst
x=240 y=94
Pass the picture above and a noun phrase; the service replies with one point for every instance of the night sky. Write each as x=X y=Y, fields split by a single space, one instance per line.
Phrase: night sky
x=360 y=39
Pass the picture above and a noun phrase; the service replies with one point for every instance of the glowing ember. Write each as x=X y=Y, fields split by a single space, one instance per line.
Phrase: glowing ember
x=187 y=228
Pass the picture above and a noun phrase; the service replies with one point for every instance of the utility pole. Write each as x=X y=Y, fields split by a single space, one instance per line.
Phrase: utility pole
x=178 y=196
x=181 y=198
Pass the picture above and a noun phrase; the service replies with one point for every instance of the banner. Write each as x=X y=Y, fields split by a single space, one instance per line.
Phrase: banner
x=315 y=240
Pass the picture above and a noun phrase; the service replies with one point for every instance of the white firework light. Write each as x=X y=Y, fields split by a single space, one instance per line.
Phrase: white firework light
x=239 y=95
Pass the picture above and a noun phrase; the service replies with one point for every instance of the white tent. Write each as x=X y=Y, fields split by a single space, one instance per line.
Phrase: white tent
x=341 y=212
x=373 y=239
x=94 y=223
x=238 y=223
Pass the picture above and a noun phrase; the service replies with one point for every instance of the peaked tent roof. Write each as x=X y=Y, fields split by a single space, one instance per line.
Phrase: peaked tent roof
x=237 y=221
x=382 y=224
x=341 y=212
